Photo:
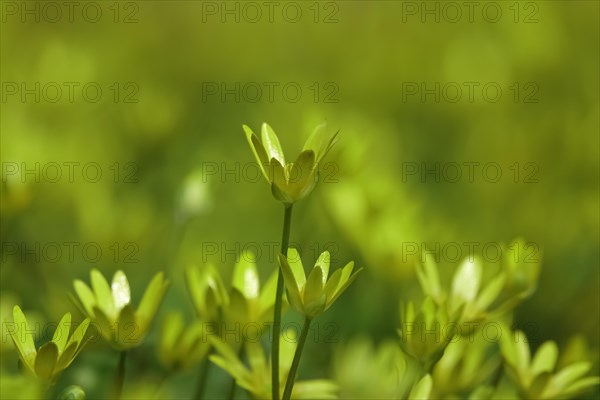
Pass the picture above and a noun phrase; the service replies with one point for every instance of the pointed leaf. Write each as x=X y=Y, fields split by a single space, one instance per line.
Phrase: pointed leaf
x=271 y=144
x=45 y=361
x=120 y=290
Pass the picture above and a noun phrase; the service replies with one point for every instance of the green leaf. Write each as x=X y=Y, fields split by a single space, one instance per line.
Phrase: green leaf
x=245 y=277
x=120 y=290
x=61 y=334
x=545 y=358
x=290 y=283
x=271 y=144
x=103 y=294
x=259 y=151
x=422 y=390
x=86 y=296
x=45 y=361
x=151 y=300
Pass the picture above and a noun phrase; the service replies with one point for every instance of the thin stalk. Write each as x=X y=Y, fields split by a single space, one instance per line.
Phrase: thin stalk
x=203 y=375
x=233 y=384
x=120 y=376
x=285 y=241
x=289 y=384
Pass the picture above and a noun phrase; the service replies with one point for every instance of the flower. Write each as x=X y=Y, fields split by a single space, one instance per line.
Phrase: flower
x=207 y=291
x=52 y=357
x=537 y=378
x=256 y=377
x=247 y=302
x=110 y=307
x=182 y=346
x=290 y=181
x=316 y=294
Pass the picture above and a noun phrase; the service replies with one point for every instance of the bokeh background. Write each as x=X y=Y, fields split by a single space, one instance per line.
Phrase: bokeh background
x=177 y=81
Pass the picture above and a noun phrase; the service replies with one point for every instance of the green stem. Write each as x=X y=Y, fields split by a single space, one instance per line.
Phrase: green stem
x=233 y=384
x=285 y=240
x=203 y=375
x=120 y=376
x=289 y=384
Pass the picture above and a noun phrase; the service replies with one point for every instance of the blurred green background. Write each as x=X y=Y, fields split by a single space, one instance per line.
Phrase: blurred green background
x=177 y=81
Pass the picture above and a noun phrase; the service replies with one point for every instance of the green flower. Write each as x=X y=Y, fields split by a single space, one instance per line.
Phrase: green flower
x=247 y=302
x=316 y=294
x=182 y=346
x=53 y=357
x=290 y=181
x=256 y=376
x=538 y=378
x=207 y=291
x=110 y=307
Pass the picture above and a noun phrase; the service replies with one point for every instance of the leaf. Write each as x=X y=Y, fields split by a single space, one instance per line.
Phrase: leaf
x=23 y=338
x=155 y=292
x=86 y=296
x=120 y=290
x=259 y=151
x=271 y=144
x=245 y=277
x=103 y=294
x=45 y=361
x=422 y=390
x=545 y=358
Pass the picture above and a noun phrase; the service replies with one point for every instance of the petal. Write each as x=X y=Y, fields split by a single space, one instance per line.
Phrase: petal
x=567 y=376
x=172 y=329
x=269 y=289
x=323 y=262
x=290 y=283
x=67 y=356
x=422 y=390
x=86 y=296
x=490 y=293
x=106 y=326
x=103 y=294
x=467 y=280
x=271 y=144
x=23 y=338
x=344 y=285
x=293 y=257
x=120 y=290
x=129 y=332
x=79 y=336
x=258 y=149
x=315 y=140
x=333 y=283
x=301 y=176
x=545 y=358
x=245 y=276
x=151 y=300
x=61 y=334
x=428 y=277
x=314 y=286
x=45 y=361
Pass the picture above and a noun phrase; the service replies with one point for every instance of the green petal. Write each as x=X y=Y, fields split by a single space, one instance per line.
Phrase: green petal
x=86 y=296
x=259 y=151
x=237 y=310
x=344 y=285
x=120 y=290
x=429 y=279
x=61 y=334
x=45 y=361
x=79 y=336
x=313 y=292
x=129 y=332
x=245 y=276
x=172 y=329
x=332 y=284
x=315 y=389
x=581 y=386
x=323 y=262
x=490 y=293
x=422 y=390
x=545 y=358
x=567 y=376
x=23 y=338
x=67 y=356
x=290 y=283
x=301 y=175
x=269 y=289
x=151 y=300
x=103 y=294
x=107 y=327
x=271 y=144
x=466 y=281
x=295 y=262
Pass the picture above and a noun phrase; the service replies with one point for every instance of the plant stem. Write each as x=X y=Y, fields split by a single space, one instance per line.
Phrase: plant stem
x=233 y=384
x=285 y=240
x=203 y=375
x=120 y=376
x=289 y=384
